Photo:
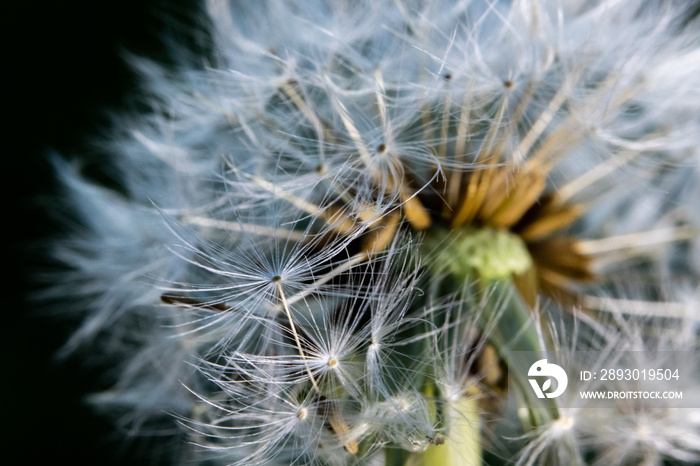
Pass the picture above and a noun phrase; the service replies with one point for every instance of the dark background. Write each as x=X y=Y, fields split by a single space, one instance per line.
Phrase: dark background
x=65 y=65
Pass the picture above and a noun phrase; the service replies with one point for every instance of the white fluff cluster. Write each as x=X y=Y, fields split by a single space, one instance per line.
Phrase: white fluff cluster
x=257 y=273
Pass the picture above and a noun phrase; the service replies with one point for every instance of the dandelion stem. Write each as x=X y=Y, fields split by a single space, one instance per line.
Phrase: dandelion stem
x=463 y=420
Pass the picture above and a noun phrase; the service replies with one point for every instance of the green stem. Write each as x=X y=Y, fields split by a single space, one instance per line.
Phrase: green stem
x=462 y=445
x=515 y=331
x=396 y=457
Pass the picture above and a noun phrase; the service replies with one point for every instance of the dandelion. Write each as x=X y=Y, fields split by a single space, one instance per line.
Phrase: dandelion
x=331 y=231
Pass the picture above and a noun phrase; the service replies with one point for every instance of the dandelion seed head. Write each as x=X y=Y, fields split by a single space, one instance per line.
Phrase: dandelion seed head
x=330 y=231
